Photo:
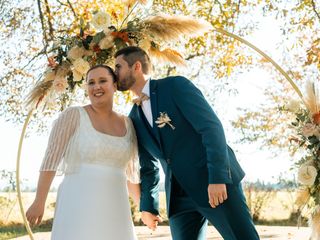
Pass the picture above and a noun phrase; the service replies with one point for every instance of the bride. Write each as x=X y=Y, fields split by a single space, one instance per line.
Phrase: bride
x=96 y=149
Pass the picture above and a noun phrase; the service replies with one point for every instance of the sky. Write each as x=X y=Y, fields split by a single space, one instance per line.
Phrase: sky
x=258 y=165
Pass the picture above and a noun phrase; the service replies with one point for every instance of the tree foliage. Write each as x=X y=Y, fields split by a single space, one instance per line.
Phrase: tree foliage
x=30 y=28
x=300 y=47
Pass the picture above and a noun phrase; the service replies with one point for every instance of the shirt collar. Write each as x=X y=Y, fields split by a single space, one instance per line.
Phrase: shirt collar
x=146 y=88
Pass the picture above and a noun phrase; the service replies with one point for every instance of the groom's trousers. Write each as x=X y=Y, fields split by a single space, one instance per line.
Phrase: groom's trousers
x=232 y=219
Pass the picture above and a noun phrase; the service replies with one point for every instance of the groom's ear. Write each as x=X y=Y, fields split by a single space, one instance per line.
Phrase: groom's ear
x=138 y=66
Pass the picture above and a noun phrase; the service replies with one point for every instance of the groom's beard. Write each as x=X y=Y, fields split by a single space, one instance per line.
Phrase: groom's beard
x=126 y=83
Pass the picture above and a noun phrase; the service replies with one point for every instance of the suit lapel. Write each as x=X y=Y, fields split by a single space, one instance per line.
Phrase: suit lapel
x=154 y=108
x=144 y=129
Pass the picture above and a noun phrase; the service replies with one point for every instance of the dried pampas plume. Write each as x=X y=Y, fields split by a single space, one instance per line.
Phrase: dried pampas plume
x=311 y=97
x=38 y=93
x=42 y=88
x=167 y=55
x=315 y=224
x=168 y=28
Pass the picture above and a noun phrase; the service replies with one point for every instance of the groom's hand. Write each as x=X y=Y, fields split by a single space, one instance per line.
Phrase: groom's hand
x=151 y=220
x=217 y=194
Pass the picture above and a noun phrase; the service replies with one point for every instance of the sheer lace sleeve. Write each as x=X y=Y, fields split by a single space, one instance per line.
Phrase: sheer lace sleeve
x=62 y=131
x=133 y=168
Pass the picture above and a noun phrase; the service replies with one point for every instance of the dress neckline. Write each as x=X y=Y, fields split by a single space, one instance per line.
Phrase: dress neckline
x=102 y=133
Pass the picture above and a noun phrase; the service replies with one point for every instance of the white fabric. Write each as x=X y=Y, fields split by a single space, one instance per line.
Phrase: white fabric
x=92 y=200
x=73 y=141
x=146 y=105
x=93 y=204
x=61 y=136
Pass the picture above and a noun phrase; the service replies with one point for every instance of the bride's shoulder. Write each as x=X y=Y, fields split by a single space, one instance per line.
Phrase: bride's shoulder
x=70 y=112
x=128 y=122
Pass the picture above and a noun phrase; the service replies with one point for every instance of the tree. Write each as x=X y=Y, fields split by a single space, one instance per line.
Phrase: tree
x=301 y=58
x=30 y=29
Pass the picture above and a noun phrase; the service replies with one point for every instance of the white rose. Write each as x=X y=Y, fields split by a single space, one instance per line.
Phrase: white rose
x=76 y=52
x=60 y=84
x=77 y=76
x=293 y=105
x=101 y=20
x=81 y=66
x=106 y=42
x=307 y=175
x=309 y=130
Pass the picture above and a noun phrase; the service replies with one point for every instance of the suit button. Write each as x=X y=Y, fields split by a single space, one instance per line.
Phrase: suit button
x=168 y=160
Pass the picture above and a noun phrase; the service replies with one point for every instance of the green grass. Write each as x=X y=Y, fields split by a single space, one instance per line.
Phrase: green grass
x=14 y=230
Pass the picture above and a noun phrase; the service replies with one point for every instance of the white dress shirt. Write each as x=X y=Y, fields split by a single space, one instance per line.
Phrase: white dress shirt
x=146 y=105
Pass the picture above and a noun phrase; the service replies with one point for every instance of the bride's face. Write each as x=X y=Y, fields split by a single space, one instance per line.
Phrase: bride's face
x=101 y=86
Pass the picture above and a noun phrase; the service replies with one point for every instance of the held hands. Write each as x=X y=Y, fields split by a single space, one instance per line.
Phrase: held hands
x=35 y=212
x=151 y=220
x=217 y=194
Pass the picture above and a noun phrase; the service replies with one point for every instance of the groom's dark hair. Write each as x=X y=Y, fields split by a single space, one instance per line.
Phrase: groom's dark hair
x=133 y=54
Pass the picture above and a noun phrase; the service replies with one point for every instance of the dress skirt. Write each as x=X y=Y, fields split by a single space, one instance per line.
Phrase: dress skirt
x=93 y=204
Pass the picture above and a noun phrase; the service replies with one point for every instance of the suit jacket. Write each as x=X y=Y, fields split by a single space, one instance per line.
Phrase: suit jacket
x=195 y=152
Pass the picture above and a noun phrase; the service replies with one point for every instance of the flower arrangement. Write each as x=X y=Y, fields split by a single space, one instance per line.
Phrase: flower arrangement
x=163 y=120
x=307 y=136
x=98 y=40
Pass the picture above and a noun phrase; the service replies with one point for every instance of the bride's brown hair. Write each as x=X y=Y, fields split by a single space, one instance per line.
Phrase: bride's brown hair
x=109 y=69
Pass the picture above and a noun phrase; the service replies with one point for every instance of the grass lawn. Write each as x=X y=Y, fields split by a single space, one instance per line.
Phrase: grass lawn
x=276 y=212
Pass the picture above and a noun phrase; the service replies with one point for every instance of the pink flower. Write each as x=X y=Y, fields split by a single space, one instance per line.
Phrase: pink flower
x=309 y=130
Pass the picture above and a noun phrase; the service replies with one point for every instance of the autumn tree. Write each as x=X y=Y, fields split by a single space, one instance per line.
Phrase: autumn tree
x=300 y=47
x=29 y=30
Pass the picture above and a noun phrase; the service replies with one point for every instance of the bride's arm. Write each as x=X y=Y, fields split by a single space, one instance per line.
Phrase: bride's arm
x=133 y=168
x=61 y=133
x=134 y=192
x=36 y=210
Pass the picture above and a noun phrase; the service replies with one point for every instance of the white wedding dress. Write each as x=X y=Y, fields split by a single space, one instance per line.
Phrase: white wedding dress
x=92 y=200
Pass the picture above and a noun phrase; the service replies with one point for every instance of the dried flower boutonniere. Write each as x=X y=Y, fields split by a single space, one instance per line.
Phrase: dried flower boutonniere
x=163 y=120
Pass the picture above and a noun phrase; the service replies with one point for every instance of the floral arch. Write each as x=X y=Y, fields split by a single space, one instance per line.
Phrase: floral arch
x=98 y=40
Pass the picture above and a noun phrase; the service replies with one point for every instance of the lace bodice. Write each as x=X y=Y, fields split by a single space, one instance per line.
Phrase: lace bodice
x=74 y=140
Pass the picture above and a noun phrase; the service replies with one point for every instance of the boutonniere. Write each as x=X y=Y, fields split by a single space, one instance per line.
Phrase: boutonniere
x=163 y=120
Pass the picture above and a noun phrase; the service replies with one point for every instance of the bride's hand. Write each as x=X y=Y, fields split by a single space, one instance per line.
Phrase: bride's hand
x=35 y=212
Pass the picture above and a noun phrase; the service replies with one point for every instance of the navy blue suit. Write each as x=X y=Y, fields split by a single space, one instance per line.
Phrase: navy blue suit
x=192 y=156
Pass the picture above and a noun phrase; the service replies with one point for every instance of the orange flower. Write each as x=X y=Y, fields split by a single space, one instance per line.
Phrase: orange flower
x=96 y=48
x=316 y=118
x=122 y=35
x=52 y=62
x=114 y=15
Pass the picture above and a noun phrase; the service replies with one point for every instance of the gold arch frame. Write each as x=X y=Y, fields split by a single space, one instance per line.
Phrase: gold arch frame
x=219 y=30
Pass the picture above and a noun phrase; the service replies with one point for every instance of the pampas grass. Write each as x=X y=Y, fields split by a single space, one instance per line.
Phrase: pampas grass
x=38 y=93
x=167 y=55
x=311 y=97
x=171 y=28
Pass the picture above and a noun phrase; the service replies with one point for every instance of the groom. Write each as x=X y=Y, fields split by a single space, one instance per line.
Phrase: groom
x=176 y=127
